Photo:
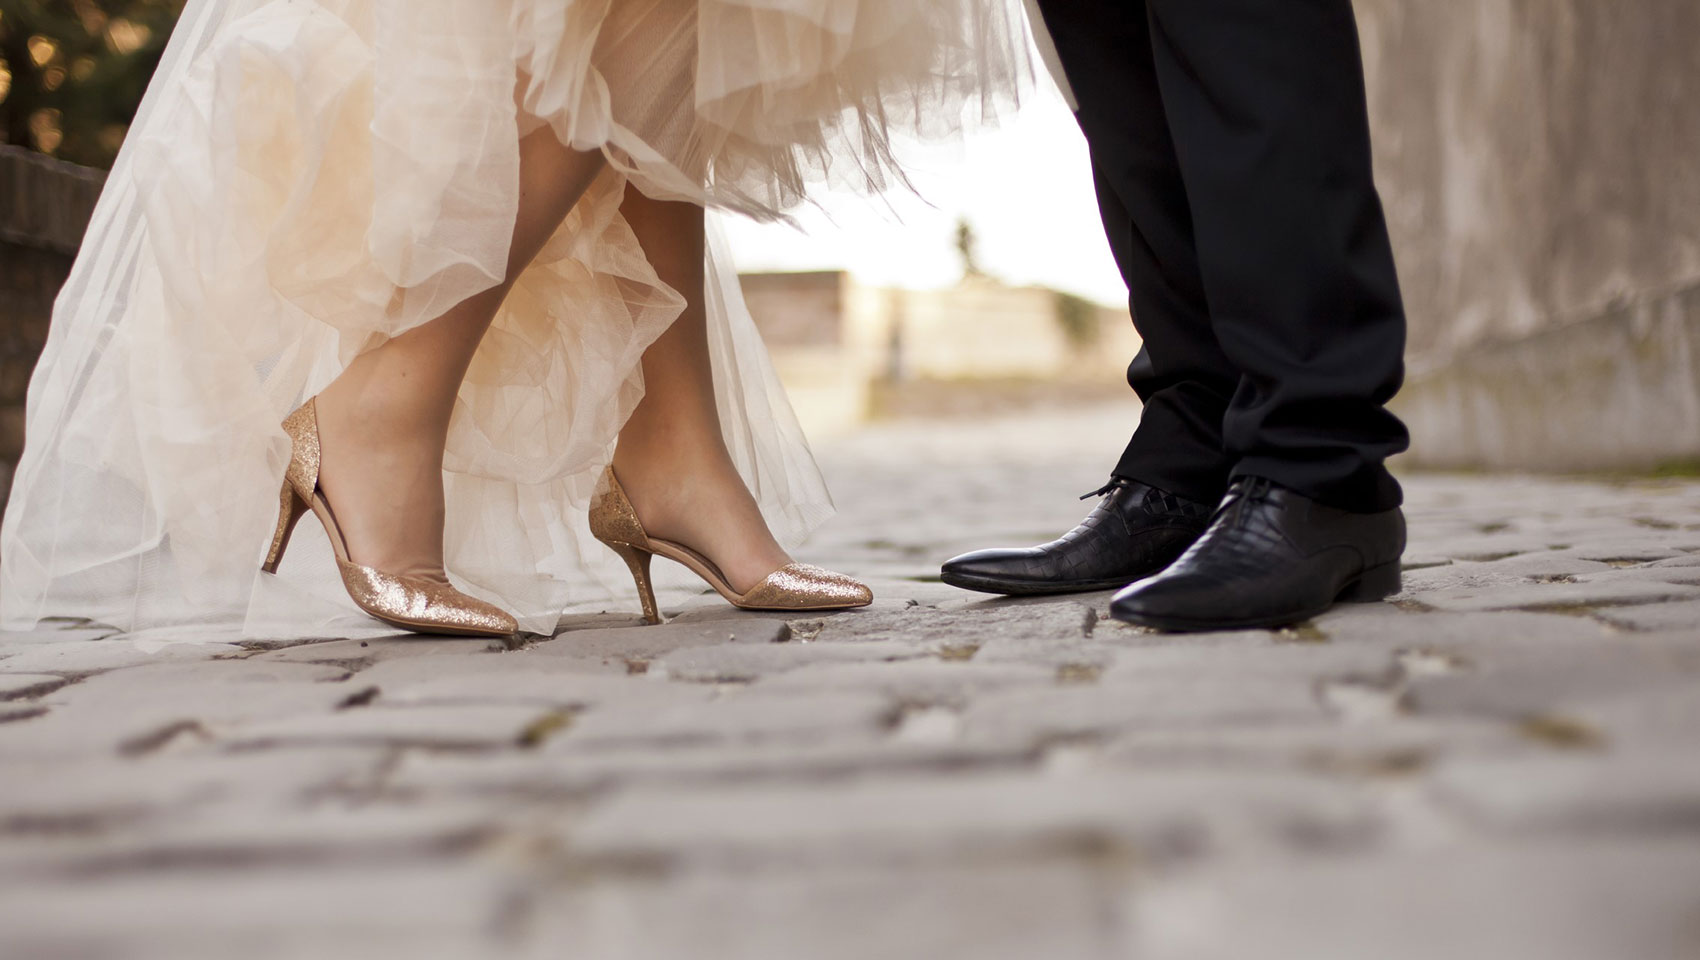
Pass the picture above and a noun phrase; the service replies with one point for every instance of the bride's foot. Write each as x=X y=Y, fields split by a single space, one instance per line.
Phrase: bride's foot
x=696 y=498
x=614 y=520
x=381 y=472
x=420 y=600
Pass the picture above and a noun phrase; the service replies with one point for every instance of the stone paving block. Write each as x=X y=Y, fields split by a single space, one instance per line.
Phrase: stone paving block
x=1034 y=717
x=735 y=716
x=1404 y=748
x=1568 y=901
x=1632 y=790
x=1549 y=596
x=929 y=681
x=1387 y=626
x=1535 y=683
x=1657 y=716
x=14 y=686
x=743 y=662
x=1056 y=651
x=712 y=609
x=161 y=706
x=366 y=912
x=355 y=654
x=976 y=815
x=260 y=836
x=1682 y=615
x=519 y=679
x=1415 y=583
x=1061 y=907
x=1547 y=565
x=439 y=727
x=1114 y=633
x=625 y=646
x=1487 y=547
x=1689 y=576
x=1642 y=548
x=14 y=641
x=1300 y=662
x=86 y=798
x=567 y=776
x=83 y=657
x=970 y=623
x=307 y=944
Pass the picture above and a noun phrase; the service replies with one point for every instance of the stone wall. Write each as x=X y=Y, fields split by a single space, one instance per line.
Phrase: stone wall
x=1540 y=163
x=44 y=207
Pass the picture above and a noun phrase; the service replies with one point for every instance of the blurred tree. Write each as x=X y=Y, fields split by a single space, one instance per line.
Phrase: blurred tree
x=968 y=248
x=72 y=72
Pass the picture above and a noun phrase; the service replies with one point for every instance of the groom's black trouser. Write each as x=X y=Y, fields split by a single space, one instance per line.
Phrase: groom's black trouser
x=1230 y=144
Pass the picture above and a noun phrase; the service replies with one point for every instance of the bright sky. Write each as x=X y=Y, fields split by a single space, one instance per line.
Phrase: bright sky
x=1025 y=187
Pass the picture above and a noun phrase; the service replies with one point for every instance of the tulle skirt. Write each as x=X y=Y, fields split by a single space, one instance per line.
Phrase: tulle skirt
x=308 y=178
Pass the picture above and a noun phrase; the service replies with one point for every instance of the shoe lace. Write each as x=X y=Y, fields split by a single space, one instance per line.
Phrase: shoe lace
x=1104 y=490
x=1252 y=492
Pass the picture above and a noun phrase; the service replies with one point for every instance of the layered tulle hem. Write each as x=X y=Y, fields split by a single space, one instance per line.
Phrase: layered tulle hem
x=310 y=178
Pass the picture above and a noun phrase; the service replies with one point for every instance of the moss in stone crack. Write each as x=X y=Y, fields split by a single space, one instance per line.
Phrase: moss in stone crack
x=958 y=651
x=1301 y=633
x=1563 y=733
x=1079 y=673
x=1687 y=468
x=538 y=732
x=1403 y=762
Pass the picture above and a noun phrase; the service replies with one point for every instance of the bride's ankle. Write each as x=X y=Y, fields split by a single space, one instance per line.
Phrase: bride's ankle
x=381 y=474
x=696 y=497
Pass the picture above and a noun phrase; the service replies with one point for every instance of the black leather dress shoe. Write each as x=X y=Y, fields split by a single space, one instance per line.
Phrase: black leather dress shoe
x=1270 y=558
x=1136 y=531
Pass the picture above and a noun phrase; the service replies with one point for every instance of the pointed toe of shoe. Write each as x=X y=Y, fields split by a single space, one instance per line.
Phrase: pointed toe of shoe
x=801 y=586
x=987 y=570
x=1169 y=603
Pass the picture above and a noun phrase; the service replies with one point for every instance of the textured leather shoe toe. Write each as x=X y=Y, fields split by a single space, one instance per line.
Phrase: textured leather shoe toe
x=1134 y=532
x=1270 y=558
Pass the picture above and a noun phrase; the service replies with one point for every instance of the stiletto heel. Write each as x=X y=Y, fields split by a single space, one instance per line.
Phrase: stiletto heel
x=412 y=603
x=795 y=586
x=638 y=561
x=291 y=509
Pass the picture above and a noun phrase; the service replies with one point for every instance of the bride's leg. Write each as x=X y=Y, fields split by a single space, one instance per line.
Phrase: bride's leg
x=384 y=421
x=672 y=458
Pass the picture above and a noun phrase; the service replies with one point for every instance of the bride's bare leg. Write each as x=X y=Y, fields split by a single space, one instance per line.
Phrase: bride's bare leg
x=384 y=421
x=672 y=458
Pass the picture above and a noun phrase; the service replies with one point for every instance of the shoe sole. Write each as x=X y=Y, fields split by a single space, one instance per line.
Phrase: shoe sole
x=1372 y=586
x=1009 y=588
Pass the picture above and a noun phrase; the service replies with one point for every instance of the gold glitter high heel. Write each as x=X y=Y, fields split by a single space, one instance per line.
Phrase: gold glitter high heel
x=795 y=586
x=412 y=603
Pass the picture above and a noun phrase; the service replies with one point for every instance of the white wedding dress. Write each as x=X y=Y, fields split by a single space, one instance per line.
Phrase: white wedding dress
x=307 y=178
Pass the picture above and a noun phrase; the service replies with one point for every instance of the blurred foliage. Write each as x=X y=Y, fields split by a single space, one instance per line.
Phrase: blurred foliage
x=72 y=72
x=1078 y=318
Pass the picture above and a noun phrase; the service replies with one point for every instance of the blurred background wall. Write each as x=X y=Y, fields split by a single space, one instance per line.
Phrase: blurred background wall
x=1540 y=164
x=1539 y=160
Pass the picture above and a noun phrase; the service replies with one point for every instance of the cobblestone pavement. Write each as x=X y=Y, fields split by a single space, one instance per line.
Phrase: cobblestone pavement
x=1502 y=763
